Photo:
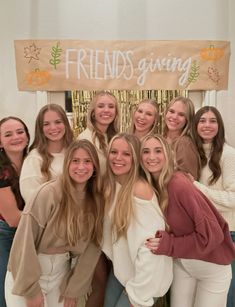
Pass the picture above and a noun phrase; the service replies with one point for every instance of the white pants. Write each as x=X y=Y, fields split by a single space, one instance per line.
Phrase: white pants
x=199 y=283
x=54 y=268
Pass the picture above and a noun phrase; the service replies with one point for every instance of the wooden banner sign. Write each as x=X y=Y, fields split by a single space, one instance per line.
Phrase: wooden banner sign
x=59 y=65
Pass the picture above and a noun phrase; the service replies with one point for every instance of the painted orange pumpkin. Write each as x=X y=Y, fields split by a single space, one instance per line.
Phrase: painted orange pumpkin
x=212 y=53
x=38 y=77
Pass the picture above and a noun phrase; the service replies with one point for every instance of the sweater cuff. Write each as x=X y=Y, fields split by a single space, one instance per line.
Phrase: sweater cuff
x=165 y=242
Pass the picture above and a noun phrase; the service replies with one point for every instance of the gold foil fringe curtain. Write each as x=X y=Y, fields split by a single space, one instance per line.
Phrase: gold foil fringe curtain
x=127 y=100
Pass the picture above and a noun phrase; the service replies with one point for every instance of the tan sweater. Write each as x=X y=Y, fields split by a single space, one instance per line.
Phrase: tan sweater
x=35 y=234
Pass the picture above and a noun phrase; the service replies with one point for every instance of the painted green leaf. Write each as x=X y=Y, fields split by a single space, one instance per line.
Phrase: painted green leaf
x=194 y=72
x=55 y=54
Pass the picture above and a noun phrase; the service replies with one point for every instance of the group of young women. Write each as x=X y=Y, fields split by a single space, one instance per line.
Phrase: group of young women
x=116 y=219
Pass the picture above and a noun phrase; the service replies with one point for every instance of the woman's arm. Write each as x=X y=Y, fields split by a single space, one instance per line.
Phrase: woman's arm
x=8 y=207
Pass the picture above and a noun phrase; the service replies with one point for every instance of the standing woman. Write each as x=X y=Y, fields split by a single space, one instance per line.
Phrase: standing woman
x=14 y=139
x=145 y=118
x=102 y=123
x=44 y=162
x=178 y=132
x=198 y=237
x=217 y=173
x=132 y=214
x=57 y=243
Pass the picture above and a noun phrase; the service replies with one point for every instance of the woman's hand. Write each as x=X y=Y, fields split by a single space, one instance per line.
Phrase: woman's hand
x=153 y=243
x=35 y=301
x=70 y=302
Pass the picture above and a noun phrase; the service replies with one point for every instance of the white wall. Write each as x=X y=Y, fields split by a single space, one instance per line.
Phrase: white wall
x=109 y=19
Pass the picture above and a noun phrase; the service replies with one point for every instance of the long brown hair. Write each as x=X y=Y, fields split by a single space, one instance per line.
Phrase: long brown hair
x=40 y=141
x=6 y=163
x=113 y=128
x=82 y=218
x=217 y=143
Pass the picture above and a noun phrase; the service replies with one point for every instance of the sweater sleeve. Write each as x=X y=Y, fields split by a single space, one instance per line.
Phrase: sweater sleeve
x=224 y=197
x=31 y=176
x=195 y=211
x=186 y=156
x=78 y=283
x=23 y=261
x=152 y=274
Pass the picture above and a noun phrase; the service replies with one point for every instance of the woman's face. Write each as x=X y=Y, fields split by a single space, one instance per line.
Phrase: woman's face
x=120 y=159
x=104 y=112
x=144 y=117
x=13 y=137
x=53 y=126
x=207 y=127
x=81 y=167
x=176 y=117
x=153 y=156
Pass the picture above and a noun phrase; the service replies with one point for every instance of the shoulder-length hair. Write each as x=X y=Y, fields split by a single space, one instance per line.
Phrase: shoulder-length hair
x=123 y=208
x=166 y=173
x=189 y=115
x=6 y=163
x=217 y=143
x=113 y=128
x=154 y=126
x=40 y=140
x=82 y=218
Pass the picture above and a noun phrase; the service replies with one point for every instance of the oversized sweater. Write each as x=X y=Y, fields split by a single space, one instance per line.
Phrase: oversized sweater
x=197 y=230
x=143 y=274
x=222 y=192
x=87 y=134
x=31 y=176
x=35 y=234
x=186 y=156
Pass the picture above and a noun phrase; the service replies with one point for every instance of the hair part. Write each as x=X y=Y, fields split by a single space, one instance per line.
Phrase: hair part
x=217 y=143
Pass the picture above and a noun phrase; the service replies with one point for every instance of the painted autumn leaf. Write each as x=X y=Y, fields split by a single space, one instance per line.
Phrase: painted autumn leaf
x=32 y=52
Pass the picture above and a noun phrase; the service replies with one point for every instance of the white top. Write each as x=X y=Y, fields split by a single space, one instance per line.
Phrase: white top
x=31 y=176
x=87 y=135
x=143 y=274
x=222 y=192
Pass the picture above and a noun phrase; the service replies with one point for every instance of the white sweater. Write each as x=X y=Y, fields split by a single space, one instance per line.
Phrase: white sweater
x=143 y=274
x=31 y=177
x=221 y=193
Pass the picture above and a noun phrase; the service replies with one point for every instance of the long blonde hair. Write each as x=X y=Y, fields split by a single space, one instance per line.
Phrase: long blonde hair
x=40 y=141
x=189 y=115
x=154 y=127
x=166 y=173
x=82 y=219
x=113 y=128
x=123 y=210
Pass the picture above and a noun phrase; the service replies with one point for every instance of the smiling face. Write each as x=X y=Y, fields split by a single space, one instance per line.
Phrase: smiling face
x=175 y=118
x=207 y=127
x=153 y=156
x=104 y=112
x=144 y=118
x=81 y=168
x=120 y=159
x=53 y=126
x=13 y=137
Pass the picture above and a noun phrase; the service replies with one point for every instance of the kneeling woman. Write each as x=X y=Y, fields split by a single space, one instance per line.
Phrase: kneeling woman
x=131 y=216
x=198 y=236
x=56 y=246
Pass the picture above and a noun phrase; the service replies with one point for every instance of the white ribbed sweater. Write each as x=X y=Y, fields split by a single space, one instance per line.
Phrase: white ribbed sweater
x=221 y=193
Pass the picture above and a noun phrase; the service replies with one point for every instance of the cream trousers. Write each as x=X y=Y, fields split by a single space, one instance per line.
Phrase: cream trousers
x=54 y=268
x=199 y=283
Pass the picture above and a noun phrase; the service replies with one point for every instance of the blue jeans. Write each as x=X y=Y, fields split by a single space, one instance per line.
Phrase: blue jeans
x=6 y=237
x=115 y=294
x=231 y=293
